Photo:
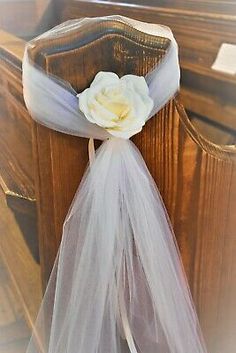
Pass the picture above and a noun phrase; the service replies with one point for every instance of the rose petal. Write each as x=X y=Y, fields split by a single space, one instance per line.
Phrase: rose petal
x=121 y=106
x=104 y=77
x=138 y=83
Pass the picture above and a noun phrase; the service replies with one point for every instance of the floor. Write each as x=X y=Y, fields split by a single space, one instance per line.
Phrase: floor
x=14 y=333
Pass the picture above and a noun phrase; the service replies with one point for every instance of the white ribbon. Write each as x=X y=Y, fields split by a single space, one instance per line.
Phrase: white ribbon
x=91 y=150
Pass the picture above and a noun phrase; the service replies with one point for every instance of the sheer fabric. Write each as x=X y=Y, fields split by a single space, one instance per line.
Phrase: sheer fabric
x=118 y=284
x=56 y=105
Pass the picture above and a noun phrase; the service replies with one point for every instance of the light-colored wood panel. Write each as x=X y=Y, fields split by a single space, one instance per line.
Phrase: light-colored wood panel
x=22 y=269
x=16 y=172
x=18 y=17
x=12 y=44
x=14 y=332
x=221 y=7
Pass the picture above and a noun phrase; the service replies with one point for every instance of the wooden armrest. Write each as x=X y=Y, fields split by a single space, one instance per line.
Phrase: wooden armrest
x=11 y=48
x=11 y=52
x=17 y=179
x=16 y=172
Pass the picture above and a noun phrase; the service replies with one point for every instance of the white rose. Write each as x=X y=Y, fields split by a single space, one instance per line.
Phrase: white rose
x=119 y=105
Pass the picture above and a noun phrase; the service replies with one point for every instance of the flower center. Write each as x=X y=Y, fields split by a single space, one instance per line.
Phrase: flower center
x=114 y=102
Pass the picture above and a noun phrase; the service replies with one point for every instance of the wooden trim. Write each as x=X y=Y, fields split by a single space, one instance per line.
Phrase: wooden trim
x=223 y=152
x=209 y=6
x=207 y=106
x=167 y=11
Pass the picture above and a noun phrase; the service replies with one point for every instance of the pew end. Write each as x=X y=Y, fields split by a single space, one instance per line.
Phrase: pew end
x=196 y=178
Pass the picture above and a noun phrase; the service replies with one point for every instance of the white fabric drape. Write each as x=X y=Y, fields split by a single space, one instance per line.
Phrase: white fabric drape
x=56 y=105
x=118 y=284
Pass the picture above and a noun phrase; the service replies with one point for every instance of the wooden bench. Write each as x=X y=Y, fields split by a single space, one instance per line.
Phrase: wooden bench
x=17 y=171
x=200 y=28
x=196 y=177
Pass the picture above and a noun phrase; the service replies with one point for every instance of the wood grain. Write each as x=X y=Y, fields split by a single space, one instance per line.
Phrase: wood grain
x=54 y=194
x=214 y=133
x=14 y=332
x=196 y=177
x=24 y=272
x=209 y=7
x=18 y=17
x=200 y=28
x=16 y=171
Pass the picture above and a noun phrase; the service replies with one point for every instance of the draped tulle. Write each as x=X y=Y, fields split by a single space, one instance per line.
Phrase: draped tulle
x=52 y=101
x=118 y=258
x=118 y=285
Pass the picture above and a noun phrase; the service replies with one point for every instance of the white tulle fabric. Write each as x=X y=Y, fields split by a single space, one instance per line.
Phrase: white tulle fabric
x=118 y=285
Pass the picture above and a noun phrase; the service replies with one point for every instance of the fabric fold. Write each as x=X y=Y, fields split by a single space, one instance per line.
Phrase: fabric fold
x=118 y=247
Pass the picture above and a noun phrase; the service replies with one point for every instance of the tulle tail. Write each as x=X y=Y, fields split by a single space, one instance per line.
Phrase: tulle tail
x=120 y=285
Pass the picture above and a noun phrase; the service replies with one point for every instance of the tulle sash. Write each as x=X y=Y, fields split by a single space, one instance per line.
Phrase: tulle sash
x=118 y=284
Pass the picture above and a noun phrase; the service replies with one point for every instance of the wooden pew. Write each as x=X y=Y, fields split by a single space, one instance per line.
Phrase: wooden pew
x=18 y=17
x=200 y=28
x=26 y=18
x=17 y=180
x=204 y=92
x=196 y=177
